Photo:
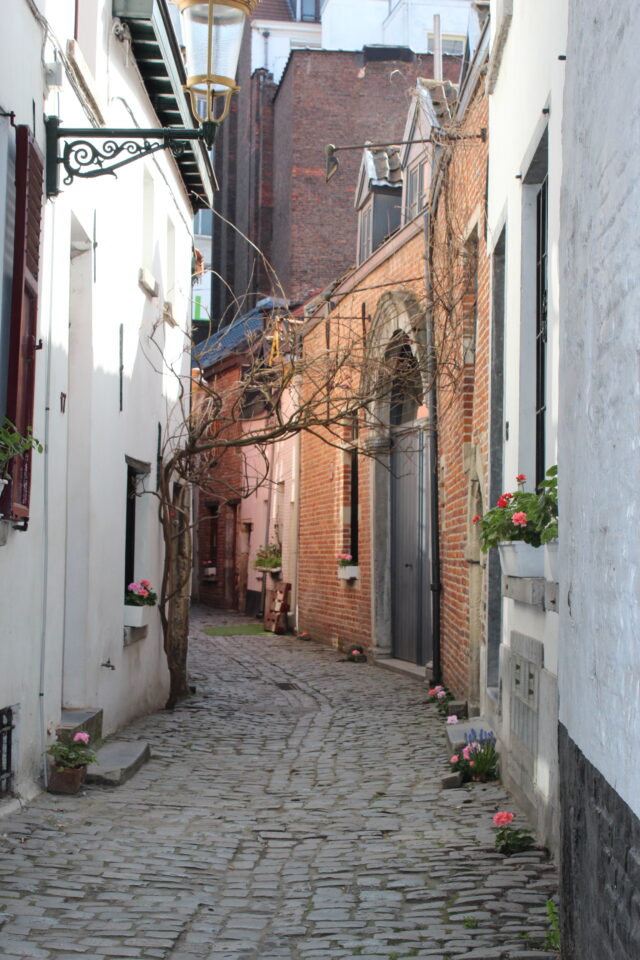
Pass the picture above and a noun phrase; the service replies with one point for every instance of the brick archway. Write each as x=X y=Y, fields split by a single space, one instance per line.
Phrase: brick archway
x=399 y=313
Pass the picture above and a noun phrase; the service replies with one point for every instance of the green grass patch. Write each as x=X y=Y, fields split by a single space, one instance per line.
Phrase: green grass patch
x=236 y=630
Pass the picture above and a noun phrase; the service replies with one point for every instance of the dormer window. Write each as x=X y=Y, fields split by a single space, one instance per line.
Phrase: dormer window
x=379 y=199
x=307 y=10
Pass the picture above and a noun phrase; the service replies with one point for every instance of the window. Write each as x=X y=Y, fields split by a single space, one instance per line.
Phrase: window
x=24 y=311
x=170 y=291
x=541 y=329
x=366 y=219
x=470 y=299
x=309 y=10
x=209 y=543
x=203 y=223
x=354 y=507
x=414 y=198
x=451 y=45
x=136 y=471
x=147 y=229
x=535 y=303
x=6 y=750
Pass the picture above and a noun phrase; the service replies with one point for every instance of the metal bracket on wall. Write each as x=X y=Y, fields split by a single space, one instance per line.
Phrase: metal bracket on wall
x=81 y=158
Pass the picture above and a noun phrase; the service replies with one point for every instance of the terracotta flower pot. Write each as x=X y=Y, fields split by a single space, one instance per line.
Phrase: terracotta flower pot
x=65 y=779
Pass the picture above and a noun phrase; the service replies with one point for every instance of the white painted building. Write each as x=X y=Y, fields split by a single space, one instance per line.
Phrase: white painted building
x=113 y=280
x=350 y=26
x=296 y=27
x=525 y=82
x=599 y=455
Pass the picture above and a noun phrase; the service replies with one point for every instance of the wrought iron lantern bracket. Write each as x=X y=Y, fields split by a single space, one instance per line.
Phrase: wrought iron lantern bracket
x=81 y=158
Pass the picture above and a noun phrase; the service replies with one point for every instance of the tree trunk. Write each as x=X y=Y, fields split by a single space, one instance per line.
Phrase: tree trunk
x=174 y=607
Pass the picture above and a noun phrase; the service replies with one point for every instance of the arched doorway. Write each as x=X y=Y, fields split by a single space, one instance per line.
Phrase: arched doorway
x=401 y=559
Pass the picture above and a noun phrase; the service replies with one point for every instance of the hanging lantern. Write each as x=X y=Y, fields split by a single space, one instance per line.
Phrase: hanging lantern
x=213 y=35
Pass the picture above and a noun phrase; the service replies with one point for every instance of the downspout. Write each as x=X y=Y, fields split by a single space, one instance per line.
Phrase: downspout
x=435 y=584
x=45 y=523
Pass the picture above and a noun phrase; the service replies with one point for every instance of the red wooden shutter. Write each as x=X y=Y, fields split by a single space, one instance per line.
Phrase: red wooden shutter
x=24 y=308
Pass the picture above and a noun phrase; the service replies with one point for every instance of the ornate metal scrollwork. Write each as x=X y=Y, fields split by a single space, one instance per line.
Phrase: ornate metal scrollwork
x=81 y=158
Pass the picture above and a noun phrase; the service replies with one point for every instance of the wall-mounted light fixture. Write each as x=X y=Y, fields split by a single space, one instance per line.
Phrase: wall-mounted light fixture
x=213 y=35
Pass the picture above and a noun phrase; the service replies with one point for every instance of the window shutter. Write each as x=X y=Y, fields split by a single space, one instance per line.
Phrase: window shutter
x=24 y=308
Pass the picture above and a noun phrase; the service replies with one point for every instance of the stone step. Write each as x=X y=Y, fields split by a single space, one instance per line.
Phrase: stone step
x=117 y=761
x=456 y=732
x=83 y=719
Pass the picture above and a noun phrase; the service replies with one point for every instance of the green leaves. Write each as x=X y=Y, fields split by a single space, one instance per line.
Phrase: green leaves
x=529 y=517
x=14 y=444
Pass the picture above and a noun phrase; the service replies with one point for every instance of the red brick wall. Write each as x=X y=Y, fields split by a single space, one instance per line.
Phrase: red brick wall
x=331 y=97
x=330 y=609
x=224 y=488
x=463 y=390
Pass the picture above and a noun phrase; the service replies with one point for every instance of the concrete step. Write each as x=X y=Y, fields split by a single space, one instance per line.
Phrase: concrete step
x=83 y=719
x=117 y=761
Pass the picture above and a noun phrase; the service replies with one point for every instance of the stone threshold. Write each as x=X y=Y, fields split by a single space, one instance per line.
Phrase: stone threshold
x=401 y=666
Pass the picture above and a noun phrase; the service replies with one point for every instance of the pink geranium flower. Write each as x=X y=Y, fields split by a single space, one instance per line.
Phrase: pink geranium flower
x=452 y=718
x=440 y=694
x=455 y=758
x=519 y=519
x=503 y=819
x=81 y=737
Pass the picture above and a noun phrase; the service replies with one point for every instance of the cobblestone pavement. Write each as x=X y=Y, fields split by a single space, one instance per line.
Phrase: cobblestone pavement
x=291 y=810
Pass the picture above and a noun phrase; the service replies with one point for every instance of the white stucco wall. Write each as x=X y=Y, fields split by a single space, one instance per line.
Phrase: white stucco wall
x=411 y=21
x=272 y=51
x=349 y=26
x=600 y=396
x=526 y=100
x=78 y=498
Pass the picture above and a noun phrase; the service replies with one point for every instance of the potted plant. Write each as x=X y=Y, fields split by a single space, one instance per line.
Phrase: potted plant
x=69 y=768
x=13 y=444
x=520 y=523
x=137 y=597
x=269 y=558
x=347 y=569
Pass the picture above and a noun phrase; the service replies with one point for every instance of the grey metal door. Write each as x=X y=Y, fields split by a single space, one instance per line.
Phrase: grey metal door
x=410 y=593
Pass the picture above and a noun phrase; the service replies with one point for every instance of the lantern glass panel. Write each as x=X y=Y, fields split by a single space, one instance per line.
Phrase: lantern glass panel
x=227 y=26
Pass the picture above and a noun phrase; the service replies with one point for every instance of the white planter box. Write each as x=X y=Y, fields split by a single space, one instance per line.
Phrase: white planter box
x=3 y=484
x=348 y=573
x=519 y=559
x=208 y=571
x=136 y=616
x=552 y=572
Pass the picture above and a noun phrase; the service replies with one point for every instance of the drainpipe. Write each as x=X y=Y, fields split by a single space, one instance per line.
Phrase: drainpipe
x=45 y=525
x=435 y=585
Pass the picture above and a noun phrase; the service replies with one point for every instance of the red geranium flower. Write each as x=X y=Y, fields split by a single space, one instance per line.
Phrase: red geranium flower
x=521 y=478
x=503 y=819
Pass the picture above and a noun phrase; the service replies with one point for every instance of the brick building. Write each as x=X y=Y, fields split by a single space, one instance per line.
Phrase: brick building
x=273 y=145
x=418 y=594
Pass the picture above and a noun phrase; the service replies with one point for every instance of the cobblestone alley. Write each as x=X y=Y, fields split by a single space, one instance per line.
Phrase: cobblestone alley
x=291 y=810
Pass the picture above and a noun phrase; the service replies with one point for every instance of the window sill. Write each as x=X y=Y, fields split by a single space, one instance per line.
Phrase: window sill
x=134 y=634
x=147 y=282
